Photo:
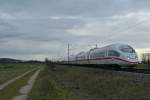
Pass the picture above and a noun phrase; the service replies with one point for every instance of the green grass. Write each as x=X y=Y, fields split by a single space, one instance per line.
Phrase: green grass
x=76 y=83
x=46 y=88
x=12 y=90
x=9 y=71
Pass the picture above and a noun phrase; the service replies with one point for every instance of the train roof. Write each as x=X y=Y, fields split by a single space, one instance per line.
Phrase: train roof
x=116 y=44
x=108 y=46
x=101 y=48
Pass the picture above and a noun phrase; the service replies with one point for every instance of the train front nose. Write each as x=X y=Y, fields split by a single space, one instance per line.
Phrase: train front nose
x=132 y=58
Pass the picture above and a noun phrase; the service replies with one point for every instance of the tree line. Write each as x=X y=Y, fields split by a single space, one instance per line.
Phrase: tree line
x=145 y=58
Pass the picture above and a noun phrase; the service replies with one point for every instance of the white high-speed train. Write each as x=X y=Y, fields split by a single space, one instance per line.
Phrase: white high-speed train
x=115 y=54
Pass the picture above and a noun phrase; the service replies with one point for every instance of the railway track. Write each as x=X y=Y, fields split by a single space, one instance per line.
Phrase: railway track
x=145 y=71
x=114 y=68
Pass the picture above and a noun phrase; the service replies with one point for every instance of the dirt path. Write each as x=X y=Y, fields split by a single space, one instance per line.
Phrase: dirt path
x=27 y=88
x=2 y=86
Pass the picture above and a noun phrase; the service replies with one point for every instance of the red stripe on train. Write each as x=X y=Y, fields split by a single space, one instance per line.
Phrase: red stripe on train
x=114 y=58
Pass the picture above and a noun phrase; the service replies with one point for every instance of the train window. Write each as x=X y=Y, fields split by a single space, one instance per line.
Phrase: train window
x=100 y=54
x=127 y=49
x=113 y=53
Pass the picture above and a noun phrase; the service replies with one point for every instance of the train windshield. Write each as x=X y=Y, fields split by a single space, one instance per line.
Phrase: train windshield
x=113 y=53
x=127 y=49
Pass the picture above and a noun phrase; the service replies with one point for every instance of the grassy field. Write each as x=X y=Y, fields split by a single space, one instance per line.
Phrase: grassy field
x=9 y=71
x=46 y=88
x=76 y=83
x=13 y=89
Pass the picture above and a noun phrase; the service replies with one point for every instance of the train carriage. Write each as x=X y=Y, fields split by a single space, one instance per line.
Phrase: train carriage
x=115 y=54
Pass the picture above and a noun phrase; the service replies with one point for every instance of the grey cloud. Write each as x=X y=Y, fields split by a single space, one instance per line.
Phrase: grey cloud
x=75 y=7
x=35 y=28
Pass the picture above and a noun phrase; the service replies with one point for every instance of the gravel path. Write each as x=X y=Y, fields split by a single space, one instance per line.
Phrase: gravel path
x=2 y=86
x=27 y=88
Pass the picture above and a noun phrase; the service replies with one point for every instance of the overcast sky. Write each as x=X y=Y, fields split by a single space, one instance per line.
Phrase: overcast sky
x=35 y=29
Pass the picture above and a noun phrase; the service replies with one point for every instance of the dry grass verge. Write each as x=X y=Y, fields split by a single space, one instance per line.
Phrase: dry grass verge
x=76 y=83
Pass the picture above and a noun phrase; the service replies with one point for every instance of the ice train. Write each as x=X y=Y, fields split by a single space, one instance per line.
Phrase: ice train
x=116 y=54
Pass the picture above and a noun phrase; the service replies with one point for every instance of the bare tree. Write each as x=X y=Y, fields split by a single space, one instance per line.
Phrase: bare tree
x=146 y=58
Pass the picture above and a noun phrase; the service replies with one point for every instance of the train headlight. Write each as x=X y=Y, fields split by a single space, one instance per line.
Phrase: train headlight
x=128 y=57
x=136 y=58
